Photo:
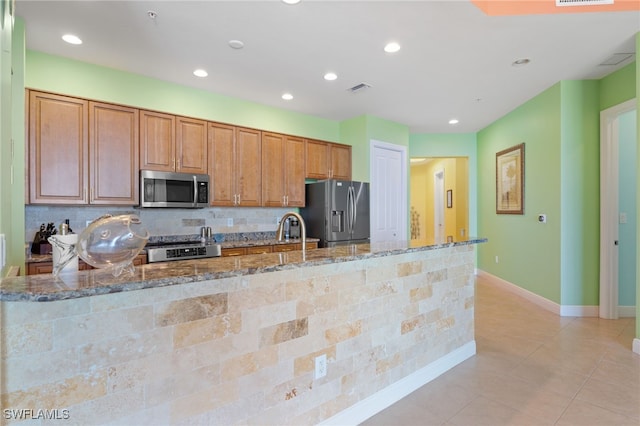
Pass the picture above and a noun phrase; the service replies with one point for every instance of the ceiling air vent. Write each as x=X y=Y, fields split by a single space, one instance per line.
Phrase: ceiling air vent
x=616 y=58
x=582 y=2
x=359 y=88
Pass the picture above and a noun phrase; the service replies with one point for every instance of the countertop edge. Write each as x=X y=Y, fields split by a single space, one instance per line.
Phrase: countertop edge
x=61 y=291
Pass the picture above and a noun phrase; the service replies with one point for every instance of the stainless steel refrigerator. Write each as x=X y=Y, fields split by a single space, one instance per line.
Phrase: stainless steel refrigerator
x=337 y=212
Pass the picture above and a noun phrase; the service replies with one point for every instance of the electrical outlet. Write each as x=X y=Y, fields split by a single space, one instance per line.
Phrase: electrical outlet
x=230 y=221
x=321 y=366
x=277 y=220
x=497 y=260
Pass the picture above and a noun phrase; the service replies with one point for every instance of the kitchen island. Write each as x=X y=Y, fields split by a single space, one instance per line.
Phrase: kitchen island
x=235 y=340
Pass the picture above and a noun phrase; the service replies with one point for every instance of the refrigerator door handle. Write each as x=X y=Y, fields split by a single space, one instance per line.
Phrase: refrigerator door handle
x=349 y=211
x=355 y=207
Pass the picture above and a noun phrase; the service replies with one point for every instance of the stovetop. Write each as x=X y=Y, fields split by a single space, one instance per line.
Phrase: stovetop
x=183 y=250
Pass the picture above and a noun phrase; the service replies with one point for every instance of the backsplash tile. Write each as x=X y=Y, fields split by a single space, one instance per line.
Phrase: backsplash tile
x=248 y=223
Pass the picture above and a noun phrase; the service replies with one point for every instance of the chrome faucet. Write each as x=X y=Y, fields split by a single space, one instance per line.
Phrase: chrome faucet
x=303 y=229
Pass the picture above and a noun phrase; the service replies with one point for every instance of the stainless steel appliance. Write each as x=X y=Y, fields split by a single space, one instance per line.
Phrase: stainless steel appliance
x=168 y=189
x=165 y=252
x=337 y=212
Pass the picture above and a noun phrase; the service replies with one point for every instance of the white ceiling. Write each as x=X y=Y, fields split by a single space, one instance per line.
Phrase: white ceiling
x=455 y=62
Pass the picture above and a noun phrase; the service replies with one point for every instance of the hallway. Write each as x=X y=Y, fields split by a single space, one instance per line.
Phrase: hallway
x=532 y=367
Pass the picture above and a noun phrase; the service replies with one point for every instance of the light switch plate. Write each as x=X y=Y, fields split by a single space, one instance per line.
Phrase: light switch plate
x=623 y=218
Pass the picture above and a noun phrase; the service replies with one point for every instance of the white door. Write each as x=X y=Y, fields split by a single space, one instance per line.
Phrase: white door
x=388 y=191
x=438 y=206
x=609 y=256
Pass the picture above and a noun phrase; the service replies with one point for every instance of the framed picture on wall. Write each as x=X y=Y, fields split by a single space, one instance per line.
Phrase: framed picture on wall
x=510 y=180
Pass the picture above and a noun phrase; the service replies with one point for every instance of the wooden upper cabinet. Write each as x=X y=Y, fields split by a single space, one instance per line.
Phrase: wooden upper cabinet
x=273 y=170
x=326 y=160
x=317 y=153
x=58 y=149
x=222 y=164
x=157 y=141
x=295 y=161
x=283 y=169
x=113 y=149
x=340 y=157
x=248 y=167
x=234 y=160
x=191 y=145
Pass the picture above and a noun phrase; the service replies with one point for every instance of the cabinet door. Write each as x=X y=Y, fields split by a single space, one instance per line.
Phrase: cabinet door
x=317 y=159
x=58 y=149
x=191 y=145
x=294 y=169
x=340 y=161
x=157 y=141
x=113 y=149
x=248 y=161
x=273 y=188
x=222 y=164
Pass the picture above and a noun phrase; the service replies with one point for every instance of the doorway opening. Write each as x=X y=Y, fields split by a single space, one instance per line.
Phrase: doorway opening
x=439 y=186
x=618 y=216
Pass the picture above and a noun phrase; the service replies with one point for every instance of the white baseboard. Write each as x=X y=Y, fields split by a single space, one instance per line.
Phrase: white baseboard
x=519 y=291
x=636 y=346
x=393 y=393
x=626 y=311
x=562 y=310
x=579 y=311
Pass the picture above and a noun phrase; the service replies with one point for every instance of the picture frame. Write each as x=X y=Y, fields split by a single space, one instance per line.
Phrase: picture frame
x=449 y=198
x=510 y=180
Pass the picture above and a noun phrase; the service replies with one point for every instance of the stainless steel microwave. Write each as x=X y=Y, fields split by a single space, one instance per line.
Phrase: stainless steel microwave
x=177 y=190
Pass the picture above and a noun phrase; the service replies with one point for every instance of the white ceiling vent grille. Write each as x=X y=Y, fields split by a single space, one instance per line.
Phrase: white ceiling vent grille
x=582 y=2
x=359 y=88
x=617 y=58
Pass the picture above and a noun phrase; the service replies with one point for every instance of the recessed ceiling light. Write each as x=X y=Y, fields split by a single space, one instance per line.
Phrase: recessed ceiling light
x=287 y=96
x=520 y=62
x=200 y=73
x=236 y=44
x=392 y=47
x=71 y=39
x=454 y=121
x=330 y=76
x=291 y=1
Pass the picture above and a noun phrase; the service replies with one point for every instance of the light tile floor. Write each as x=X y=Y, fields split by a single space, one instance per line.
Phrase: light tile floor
x=532 y=367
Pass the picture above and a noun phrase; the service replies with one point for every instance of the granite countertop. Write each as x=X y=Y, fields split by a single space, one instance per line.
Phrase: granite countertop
x=46 y=287
x=40 y=258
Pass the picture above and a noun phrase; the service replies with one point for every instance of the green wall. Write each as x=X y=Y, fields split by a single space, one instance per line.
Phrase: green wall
x=637 y=94
x=359 y=131
x=580 y=192
x=528 y=252
x=11 y=137
x=452 y=145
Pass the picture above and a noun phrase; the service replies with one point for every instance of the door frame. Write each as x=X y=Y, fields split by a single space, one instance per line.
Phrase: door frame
x=438 y=206
x=373 y=178
x=609 y=199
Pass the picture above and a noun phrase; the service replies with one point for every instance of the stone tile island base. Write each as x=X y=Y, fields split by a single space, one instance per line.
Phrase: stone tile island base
x=241 y=350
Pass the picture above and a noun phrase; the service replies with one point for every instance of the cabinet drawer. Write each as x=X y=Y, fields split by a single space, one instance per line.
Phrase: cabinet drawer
x=286 y=247
x=259 y=249
x=237 y=251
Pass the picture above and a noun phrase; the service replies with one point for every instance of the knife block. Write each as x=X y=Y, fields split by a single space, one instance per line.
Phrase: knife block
x=41 y=248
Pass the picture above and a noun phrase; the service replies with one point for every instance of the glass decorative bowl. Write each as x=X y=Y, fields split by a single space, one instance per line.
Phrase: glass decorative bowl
x=112 y=242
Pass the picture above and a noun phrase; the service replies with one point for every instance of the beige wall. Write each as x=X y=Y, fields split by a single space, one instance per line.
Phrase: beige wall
x=456 y=172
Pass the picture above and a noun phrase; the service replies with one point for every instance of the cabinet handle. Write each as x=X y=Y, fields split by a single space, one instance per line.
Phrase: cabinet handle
x=239 y=201
x=287 y=197
x=91 y=194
